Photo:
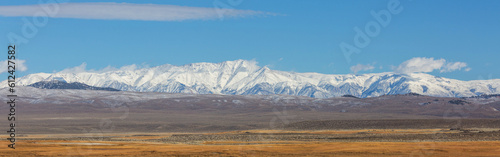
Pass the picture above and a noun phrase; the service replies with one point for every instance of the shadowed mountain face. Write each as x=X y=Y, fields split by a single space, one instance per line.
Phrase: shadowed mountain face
x=242 y=77
x=55 y=84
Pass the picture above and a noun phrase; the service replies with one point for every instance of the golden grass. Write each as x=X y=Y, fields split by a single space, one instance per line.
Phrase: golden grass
x=38 y=148
x=254 y=148
x=372 y=131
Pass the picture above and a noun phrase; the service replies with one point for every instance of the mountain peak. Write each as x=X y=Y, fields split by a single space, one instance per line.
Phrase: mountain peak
x=244 y=77
x=242 y=63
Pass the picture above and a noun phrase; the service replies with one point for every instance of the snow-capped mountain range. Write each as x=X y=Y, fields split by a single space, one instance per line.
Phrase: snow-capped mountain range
x=242 y=77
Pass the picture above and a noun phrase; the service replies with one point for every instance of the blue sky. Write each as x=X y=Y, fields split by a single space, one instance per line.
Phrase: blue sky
x=453 y=38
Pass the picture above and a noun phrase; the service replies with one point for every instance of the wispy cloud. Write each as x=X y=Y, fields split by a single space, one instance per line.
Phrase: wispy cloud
x=422 y=64
x=127 y=11
x=449 y=67
x=20 y=66
x=78 y=69
x=82 y=68
x=360 y=67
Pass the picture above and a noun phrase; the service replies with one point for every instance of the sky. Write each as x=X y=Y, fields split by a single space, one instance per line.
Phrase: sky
x=457 y=39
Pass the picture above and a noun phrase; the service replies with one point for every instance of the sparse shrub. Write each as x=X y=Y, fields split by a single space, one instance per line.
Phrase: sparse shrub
x=349 y=96
x=458 y=102
x=413 y=94
x=454 y=128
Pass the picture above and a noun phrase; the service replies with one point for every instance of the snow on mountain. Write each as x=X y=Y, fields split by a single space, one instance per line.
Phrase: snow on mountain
x=243 y=77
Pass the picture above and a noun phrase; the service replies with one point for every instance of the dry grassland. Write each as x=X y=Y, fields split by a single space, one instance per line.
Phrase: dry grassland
x=143 y=144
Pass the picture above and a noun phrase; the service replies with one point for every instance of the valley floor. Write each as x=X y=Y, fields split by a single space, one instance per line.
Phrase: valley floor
x=355 y=142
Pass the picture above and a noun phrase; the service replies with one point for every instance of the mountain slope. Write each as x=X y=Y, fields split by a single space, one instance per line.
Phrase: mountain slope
x=243 y=77
x=56 y=84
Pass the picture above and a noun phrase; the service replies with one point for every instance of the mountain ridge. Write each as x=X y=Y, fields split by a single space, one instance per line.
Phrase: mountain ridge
x=57 y=84
x=242 y=77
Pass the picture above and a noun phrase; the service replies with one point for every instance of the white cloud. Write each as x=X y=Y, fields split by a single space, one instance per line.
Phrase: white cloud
x=425 y=65
x=360 y=67
x=108 y=68
x=449 y=67
x=126 y=11
x=420 y=64
x=82 y=68
x=78 y=69
x=20 y=66
x=128 y=67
